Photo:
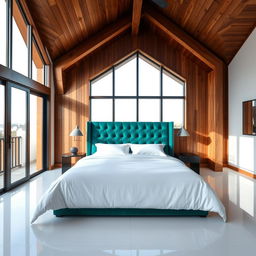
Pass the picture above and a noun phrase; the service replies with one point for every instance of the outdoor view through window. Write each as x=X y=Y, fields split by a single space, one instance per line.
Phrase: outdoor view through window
x=20 y=99
x=138 y=89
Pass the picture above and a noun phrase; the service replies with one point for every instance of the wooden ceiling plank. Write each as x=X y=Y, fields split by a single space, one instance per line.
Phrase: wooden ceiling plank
x=87 y=47
x=201 y=13
x=73 y=20
x=181 y=37
x=136 y=16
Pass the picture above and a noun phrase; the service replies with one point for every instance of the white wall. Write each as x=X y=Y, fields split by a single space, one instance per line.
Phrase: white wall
x=242 y=87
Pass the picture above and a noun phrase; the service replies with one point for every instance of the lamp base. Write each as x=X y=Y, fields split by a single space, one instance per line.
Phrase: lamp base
x=73 y=151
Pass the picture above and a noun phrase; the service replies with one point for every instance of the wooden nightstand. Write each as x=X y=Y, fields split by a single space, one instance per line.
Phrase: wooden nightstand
x=66 y=160
x=191 y=159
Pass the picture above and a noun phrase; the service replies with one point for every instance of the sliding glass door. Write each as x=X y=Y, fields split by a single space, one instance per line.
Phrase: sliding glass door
x=22 y=134
x=36 y=134
x=18 y=136
x=2 y=134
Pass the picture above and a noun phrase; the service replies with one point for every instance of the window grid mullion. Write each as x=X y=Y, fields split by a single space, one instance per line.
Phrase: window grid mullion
x=29 y=43
x=9 y=35
x=137 y=97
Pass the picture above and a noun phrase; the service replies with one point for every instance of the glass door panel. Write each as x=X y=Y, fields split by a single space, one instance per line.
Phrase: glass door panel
x=36 y=134
x=18 y=134
x=2 y=134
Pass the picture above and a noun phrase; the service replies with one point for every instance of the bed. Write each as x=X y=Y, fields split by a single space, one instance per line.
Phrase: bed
x=130 y=185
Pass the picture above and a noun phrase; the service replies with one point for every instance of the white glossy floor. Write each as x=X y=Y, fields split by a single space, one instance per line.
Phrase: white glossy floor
x=130 y=236
x=19 y=173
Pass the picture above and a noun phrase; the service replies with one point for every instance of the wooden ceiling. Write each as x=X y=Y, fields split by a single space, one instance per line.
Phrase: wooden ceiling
x=65 y=23
x=221 y=25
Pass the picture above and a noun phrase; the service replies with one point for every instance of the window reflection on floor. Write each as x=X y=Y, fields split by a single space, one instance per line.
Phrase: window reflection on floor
x=246 y=195
x=140 y=252
x=232 y=187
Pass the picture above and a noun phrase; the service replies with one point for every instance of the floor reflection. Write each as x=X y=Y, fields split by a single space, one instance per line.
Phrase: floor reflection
x=141 y=236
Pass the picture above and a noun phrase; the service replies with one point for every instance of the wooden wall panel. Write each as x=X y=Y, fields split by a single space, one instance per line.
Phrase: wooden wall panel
x=73 y=107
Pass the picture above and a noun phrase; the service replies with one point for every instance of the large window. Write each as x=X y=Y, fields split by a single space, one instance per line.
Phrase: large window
x=3 y=23
x=19 y=49
x=137 y=89
x=37 y=64
x=19 y=41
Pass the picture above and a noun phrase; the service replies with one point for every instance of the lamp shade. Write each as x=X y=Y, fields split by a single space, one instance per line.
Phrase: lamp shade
x=76 y=132
x=183 y=132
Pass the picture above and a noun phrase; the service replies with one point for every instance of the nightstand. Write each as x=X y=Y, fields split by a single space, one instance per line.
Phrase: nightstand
x=66 y=160
x=191 y=159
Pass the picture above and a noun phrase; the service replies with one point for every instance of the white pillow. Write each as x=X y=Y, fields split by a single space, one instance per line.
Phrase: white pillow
x=112 y=149
x=148 y=149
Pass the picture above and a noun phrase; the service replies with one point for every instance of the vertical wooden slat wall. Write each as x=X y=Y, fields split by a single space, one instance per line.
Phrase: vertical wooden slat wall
x=73 y=107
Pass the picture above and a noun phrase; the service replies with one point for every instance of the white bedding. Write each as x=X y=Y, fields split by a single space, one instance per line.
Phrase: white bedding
x=130 y=181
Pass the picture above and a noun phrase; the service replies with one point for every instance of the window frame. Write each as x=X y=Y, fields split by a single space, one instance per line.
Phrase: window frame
x=33 y=40
x=161 y=97
x=30 y=39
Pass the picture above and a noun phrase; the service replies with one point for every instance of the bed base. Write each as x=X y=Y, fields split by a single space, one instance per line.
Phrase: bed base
x=126 y=212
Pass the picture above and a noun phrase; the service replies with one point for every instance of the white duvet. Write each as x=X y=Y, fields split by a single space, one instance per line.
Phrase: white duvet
x=130 y=181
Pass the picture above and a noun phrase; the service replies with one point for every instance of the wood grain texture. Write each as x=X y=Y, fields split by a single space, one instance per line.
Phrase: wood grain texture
x=222 y=26
x=136 y=16
x=64 y=24
x=73 y=107
x=35 y=30
x=87 y=47
x=216 y=84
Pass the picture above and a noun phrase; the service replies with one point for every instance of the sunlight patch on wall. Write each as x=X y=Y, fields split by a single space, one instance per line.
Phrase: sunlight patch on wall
x=232 y=150
x=246 y=153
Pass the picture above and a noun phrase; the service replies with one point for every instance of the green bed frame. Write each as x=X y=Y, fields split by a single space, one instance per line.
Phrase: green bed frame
x=136 y=133
x=126 y=212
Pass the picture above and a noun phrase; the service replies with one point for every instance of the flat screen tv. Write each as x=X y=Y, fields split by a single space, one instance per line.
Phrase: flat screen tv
x=249 y=117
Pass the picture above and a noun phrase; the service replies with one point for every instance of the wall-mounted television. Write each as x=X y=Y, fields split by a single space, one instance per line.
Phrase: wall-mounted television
x=249 y=117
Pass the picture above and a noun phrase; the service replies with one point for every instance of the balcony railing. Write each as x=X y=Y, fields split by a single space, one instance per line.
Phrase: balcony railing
x=16 y=152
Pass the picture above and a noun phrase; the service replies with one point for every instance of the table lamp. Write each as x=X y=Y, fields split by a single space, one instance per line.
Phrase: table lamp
x=75 y=133
x=183 y=132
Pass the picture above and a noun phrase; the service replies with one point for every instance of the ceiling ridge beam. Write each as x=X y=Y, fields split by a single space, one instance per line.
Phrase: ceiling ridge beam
x=136 y=16
x=88 y=46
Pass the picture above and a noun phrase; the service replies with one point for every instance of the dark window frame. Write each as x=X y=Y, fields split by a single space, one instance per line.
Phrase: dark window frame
x=162 y=69
x=30 y=39
x=40 y=56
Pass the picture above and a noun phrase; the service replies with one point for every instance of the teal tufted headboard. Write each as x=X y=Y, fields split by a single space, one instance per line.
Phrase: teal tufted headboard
x=130 y=132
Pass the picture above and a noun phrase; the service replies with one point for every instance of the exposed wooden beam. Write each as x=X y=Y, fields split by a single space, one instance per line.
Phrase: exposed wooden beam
x=216 y=85
x=136 y=16
x=181 y=37
x=86 y=47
